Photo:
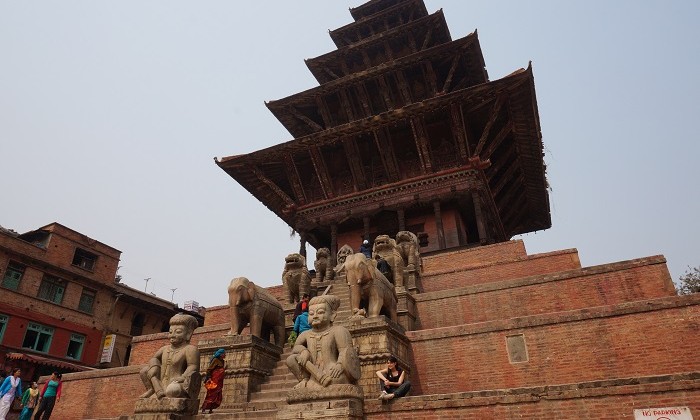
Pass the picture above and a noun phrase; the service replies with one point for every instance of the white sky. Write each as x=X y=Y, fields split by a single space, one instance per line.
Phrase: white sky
x=111 y=113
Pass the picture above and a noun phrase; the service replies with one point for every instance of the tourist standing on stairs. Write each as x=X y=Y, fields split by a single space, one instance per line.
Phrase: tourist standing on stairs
x=214 y=381
x=366 y=249
x=393 y=381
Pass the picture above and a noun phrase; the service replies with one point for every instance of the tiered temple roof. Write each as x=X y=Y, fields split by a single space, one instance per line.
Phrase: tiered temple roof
x=405 y=120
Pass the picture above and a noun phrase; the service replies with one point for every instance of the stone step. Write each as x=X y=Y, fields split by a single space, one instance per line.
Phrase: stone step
x=277 y=381
x=270 y=395
x=247 y=414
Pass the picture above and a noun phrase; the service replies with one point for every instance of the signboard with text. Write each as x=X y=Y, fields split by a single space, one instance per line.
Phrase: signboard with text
x=665 y=413
x=108 y=348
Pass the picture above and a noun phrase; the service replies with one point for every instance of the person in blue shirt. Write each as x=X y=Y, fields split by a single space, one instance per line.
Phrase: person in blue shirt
x=11 y=387
x=301 y=324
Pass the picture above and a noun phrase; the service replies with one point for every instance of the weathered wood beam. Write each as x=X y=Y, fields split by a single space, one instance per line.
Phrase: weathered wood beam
x=514 y=189
x=271 y=185
x=365 y=59
x=507 y=176
x=384 y=88
x=451 y=73
x=386 y=152
x=330 y=73
x=517 y=210
x=502 y=134
x=427 y=39
x=412 y=42
x=430 y=77
x=363 y=97
x=495 y=110
x=458 y=131
x=294 y=178
x=308 y=121
x=352 y=154
x=321 y=171
x=498 y=165
x=325 y=112
x=403 y=86
x=387 y=51
x=421 y=139
x=346 y=104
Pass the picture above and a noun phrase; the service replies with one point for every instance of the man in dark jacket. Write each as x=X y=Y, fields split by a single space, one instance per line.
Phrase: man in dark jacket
x=366 y=249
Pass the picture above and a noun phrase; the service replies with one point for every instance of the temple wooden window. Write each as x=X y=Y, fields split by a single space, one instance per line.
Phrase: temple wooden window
x=84 y=259
x=13 y=275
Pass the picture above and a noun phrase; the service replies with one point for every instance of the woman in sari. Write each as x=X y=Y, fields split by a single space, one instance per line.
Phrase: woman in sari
x=214 y=381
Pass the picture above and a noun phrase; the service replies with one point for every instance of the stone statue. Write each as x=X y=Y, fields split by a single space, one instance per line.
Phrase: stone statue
x=343 y=253
x=407 y=245
x=173 y=371
x=295 y=277
x=323 y=358
x=322 y=265
x=369 y=288
x=385 y=247
x=252 y=304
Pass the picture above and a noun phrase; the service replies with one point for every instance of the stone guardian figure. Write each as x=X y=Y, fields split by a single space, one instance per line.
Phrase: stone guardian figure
x=173 y=371
x=323 y=358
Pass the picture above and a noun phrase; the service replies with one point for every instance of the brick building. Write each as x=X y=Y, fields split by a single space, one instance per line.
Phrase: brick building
x=59 y=300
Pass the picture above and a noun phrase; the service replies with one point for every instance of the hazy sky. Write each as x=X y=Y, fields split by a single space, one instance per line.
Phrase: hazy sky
x=111 y=114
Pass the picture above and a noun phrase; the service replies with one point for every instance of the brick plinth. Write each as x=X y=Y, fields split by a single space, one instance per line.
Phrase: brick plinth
x=658 y=336
x=377 y=339
x=342 y=409
x=612 y=399
x=249 y=360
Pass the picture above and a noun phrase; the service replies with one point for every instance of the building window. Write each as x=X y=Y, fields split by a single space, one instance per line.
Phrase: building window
x=3 y=324
x=52 y=289
x=87 y=300
x=75 y=346
x=13 y=274
x=38 y=337
x=84 y=259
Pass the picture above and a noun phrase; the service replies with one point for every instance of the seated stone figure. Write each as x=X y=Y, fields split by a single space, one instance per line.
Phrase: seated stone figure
x=323 y=356
x=173 y=371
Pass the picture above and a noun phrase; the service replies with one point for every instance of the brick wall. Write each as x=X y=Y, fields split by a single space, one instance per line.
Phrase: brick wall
x=616 y=399
x=452 y=276
x=98 y=394
x=473 y=257
x=651 y=337
x=608 y=284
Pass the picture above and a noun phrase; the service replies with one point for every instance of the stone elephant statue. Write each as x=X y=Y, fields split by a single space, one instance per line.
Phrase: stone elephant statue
x=322 y=265
x=369 y=288
x=385 y=247
x=252 y=304
x=295 y=277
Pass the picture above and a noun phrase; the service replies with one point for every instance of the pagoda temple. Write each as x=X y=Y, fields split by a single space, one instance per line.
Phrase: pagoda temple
x=404 y=132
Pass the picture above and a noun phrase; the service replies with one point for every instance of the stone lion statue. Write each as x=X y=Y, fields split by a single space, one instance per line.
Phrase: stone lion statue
x=295 y=277
x=385 y=247
x=343 y=253
x=322 y=265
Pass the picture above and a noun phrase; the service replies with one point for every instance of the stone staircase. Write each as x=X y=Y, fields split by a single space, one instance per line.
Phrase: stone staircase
x=272 y=394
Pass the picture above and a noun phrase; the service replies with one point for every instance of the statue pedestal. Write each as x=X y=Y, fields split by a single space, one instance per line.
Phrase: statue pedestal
x=376 y=339
x=165 y=408
x=249 y=359
x=345 y=408
x=406 y=309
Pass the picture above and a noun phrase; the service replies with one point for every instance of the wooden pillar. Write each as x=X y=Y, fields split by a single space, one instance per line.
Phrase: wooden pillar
x=302 y=244
x=334 y=244
x=365 y=220
x=480 y=224
x=402 y=219
x=438 y=225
